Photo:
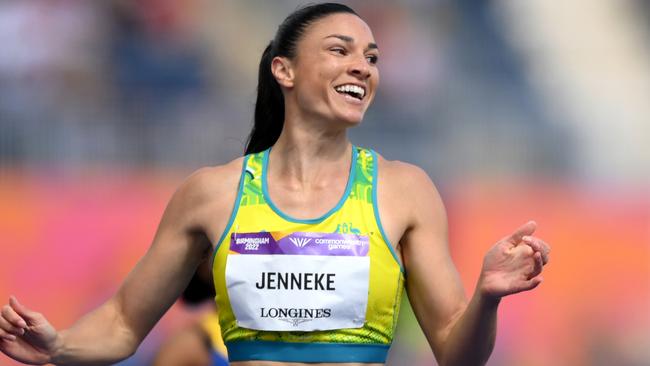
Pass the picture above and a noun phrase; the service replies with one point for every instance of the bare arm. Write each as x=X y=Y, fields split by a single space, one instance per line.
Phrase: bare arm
x=459 y=332
x=114 y=330
x=514 y=264
x=146 y=294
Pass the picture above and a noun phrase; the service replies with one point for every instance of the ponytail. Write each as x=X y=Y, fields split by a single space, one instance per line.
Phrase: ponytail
x=269 y=106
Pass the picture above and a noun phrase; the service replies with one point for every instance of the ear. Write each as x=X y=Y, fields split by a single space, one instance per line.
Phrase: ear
x=282 y=69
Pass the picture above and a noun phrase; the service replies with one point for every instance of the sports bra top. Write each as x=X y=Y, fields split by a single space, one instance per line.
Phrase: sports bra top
x=326 y=289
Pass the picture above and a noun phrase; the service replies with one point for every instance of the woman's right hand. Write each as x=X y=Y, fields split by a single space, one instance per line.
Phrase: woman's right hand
x=25 y=335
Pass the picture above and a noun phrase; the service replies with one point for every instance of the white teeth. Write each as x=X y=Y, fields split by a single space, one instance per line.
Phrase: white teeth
x=352 y=89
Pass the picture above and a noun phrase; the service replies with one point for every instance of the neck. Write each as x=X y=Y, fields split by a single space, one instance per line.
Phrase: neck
x=307 y=153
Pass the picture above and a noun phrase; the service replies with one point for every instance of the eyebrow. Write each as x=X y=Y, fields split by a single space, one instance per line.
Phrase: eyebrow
x=349 y=39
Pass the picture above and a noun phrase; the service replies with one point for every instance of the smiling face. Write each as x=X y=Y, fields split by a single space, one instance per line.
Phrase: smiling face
x=334 y=74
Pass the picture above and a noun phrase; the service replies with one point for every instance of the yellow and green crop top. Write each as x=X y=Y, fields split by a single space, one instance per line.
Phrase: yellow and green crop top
x=318 y=290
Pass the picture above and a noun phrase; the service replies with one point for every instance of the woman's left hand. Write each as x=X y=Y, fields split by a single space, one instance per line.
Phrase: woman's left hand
x=514 y=264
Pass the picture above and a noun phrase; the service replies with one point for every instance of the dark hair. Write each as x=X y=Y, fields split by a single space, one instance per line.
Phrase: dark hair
x=269 y=107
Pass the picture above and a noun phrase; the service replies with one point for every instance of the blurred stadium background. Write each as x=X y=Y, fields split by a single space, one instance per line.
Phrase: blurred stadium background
x=517 y=109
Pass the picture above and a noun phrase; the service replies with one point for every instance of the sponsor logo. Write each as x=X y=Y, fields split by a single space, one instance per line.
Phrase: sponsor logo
x=300 y=242
x=295 y=316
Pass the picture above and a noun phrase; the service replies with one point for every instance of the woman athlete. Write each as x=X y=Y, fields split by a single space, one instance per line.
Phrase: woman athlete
x=310 y=263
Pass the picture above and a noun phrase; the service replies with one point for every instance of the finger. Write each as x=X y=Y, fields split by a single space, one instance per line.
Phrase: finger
x=9 y=315
x=524 y=230
x=539 y=264
x=534 y=282
x=530 y=284
x=22 y=310
x=9 y=328
x=538 y=245
x=6 y=336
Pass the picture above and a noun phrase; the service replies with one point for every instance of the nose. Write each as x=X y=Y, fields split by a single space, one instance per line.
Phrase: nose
x=359 y=68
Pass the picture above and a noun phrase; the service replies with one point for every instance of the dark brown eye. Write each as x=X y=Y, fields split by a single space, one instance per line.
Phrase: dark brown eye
x=339 y=50
x=372 y=59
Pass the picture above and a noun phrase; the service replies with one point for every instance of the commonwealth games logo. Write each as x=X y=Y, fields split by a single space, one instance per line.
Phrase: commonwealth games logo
x=300 y=242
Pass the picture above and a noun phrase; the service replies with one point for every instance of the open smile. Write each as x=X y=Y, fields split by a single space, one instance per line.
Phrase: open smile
x=352 y=92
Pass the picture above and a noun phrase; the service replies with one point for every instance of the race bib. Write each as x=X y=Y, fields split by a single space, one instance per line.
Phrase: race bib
x=299 y=282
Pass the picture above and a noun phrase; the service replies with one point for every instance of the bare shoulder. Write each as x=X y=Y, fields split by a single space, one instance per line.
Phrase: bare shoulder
x=212 y=181
x=408 y=189
x=206 y=197
x=404 y=177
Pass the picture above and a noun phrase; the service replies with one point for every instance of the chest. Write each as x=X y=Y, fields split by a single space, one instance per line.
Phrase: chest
x=307 y=201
